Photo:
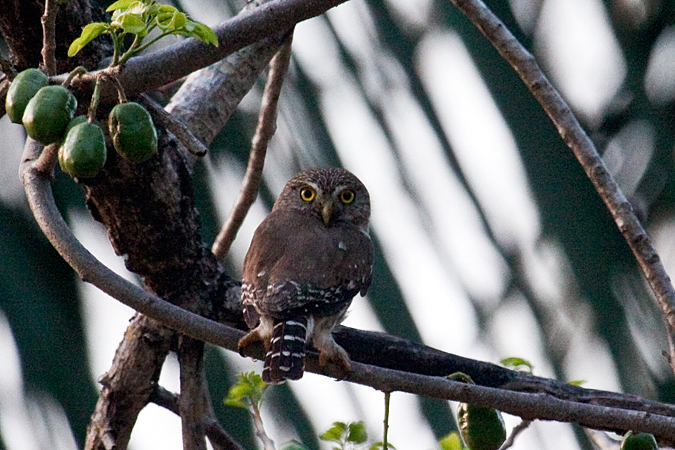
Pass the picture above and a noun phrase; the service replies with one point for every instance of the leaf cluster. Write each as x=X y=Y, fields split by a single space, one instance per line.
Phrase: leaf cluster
x=139 y=18
x=249 y=386
x=350 y=436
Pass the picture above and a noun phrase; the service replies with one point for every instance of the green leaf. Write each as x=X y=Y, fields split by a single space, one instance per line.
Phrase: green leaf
x=357 y=433
x=451 y=442
x=334 y=433
x=249 y=386
x=203 y=33
x=177 y=21
x=151 y=10
x=131 y=23
x=166 y=9
x=577 y=382
x=120 y=4
x=517 y=364
x=137 y=8
x=115 y=16
x=89 y=33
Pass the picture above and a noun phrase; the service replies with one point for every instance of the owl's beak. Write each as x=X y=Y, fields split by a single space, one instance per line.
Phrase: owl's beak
x=326 y=211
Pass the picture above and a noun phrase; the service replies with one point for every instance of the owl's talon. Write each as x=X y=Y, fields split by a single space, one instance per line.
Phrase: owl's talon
x=251 y=338
x=339 y=357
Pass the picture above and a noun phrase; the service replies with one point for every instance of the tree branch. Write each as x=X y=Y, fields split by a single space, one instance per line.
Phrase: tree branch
x=48 y=20
x=538 y=405
x=190 y=354
x=220 y=439
x=263 y=133
x=208 y=97
x=268 y=444
x=576 y=138
x=150 y=71
x=522 y=426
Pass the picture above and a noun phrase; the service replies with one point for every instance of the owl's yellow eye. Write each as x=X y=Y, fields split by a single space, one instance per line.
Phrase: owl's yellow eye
x=347 y=196
x=307 y=193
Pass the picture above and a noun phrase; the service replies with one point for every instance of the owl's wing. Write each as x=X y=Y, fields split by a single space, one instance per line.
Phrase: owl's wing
x=307 y=263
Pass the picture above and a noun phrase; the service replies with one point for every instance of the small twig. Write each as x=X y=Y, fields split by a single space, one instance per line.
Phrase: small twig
x=576 y=138
x=165 y=398
x=268 y=444
x=175 y=126
x=263 y=133
x=76 y=72
x=95 y=98
x=48 y=20
x=385 y=435
x=522 y=426
x=111 y=74
x=46 y=162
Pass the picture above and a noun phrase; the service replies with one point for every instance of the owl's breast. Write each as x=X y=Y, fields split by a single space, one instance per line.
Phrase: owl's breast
x=309 y=265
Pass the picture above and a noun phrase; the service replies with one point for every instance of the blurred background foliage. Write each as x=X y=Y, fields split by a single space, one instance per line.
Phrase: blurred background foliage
x=562 y=287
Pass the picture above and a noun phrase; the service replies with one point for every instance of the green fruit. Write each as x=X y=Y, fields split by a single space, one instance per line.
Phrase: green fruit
x=48 y=114
x=75 y=121
x=640 y=441
x=132 y=132
x=83 y=152
x=481 y=428
x=23 y=88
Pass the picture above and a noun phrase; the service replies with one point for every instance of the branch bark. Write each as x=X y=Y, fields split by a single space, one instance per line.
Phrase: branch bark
x=48 y=20
x=191 y=400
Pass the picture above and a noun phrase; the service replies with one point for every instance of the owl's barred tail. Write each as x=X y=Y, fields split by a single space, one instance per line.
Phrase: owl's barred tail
x=285 y=359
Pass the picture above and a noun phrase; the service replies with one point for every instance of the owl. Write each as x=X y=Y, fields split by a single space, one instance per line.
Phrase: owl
x=307 y=261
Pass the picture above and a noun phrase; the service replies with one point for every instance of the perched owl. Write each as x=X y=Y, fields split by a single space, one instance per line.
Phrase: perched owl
x=307 y=261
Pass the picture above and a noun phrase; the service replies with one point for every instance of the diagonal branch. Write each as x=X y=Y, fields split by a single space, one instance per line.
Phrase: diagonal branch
x=263 y=133
x=191 y=400
x=576 y=138
x=587 y=410
x=150 y=71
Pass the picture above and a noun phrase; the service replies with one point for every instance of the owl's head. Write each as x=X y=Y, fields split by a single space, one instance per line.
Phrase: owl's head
x=330 y=194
